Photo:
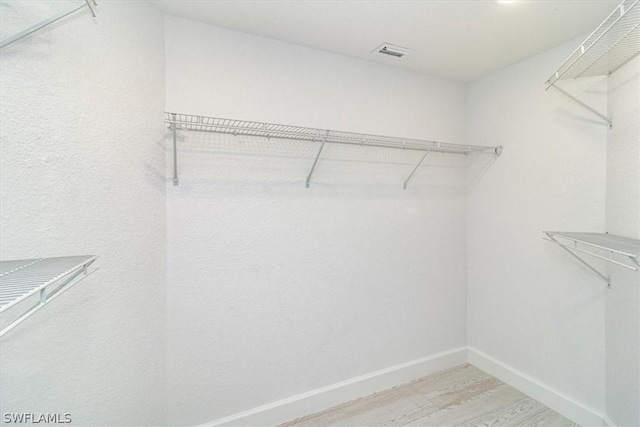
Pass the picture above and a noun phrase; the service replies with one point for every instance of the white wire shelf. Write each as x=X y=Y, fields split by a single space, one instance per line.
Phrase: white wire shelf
x=621 y=251
x=613 y=44
x=190 y=122
x=48 y=277
x=89 y=4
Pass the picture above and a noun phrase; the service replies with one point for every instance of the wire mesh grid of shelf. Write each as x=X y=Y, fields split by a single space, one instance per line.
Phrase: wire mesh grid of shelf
x=49 y=277
x=271 y=130
x=190 y=122
x=614 y=43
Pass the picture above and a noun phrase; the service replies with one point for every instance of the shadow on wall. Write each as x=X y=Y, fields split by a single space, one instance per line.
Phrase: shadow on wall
x=153 y=175
x=477 y=166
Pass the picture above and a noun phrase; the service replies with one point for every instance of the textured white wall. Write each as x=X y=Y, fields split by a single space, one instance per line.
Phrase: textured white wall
x=623 y=152
x=275 y=289
x=623 y=218
x=83 y=173
x=530 y=305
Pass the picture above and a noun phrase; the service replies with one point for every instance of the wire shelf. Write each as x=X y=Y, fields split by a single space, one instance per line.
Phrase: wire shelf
x=614 y=43
x=190 y=122
x=271 y=130
x=619 y=250
x=21 y=279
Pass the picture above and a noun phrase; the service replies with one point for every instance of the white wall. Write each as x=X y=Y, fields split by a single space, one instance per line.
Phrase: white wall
x=623 y=152
x=83 y=173
x=530 y=305
x=275 y=289
x=623 y=218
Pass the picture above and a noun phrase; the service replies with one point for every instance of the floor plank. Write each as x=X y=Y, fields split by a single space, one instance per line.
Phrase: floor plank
x=460 y=396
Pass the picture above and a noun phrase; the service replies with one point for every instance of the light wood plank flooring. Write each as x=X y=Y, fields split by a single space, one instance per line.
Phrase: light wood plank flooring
x=461 y=396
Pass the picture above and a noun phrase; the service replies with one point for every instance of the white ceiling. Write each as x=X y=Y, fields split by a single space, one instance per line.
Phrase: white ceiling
x=458 y=39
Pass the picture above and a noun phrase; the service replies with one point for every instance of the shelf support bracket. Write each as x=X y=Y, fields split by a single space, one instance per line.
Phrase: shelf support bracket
x=88 y=3
x=175 y=151
x=91 y=4
x=584 y=105
x=572 y=253
x=415 y=169
x=315 y=162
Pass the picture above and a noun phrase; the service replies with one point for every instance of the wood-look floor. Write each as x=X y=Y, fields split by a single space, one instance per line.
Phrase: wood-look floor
x=461 y=396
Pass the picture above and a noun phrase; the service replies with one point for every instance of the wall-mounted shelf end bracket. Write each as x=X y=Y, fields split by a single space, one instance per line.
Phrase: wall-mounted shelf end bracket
x=584 y=105
x=307 y=182
x=571 y=252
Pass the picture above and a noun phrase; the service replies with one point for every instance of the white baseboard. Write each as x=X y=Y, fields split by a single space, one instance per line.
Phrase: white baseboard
x=322 y=398
x=554 y=399
x=335 y=394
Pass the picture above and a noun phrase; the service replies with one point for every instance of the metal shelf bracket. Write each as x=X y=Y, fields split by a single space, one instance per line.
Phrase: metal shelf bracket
x=583 y=105
x=90 y=4
x=571 y=252
x=307 y=183
x=415 y=170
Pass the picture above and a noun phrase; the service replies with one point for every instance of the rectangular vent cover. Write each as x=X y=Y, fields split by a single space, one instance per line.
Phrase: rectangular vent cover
x=392 y=50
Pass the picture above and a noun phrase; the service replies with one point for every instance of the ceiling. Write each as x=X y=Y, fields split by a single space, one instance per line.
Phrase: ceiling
x=457 y=39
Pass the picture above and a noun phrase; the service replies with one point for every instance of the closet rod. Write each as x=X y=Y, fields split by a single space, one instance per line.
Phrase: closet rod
x=39 y=26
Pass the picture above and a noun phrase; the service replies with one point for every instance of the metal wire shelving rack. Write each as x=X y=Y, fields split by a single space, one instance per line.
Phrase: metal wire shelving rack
x=48 y=277
x=612 y=45
x=618 y=250
x=89 y=4
x=190 y=122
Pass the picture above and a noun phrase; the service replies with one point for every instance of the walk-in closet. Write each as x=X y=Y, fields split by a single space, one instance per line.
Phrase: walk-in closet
x=320 y=213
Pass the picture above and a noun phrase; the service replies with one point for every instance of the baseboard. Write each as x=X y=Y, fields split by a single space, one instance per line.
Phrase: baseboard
x=550 y=397
x=322 y=398
x=335 y=394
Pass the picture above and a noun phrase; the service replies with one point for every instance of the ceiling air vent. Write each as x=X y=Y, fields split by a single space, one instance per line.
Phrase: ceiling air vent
x=392 y=50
